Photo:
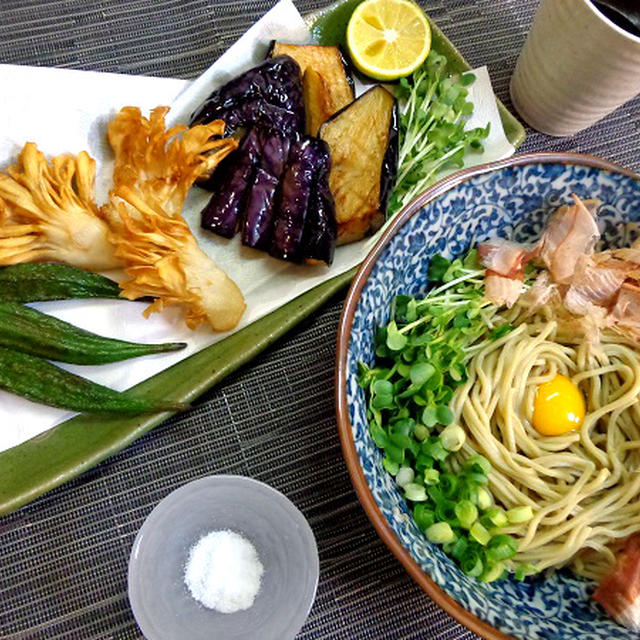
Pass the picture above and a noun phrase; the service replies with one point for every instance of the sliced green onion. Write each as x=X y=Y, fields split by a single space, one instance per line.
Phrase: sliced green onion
x=404 y=476
x=471 y=563
x=431 y=476
x=523 y=570
x=440 y=533
x=493 y=572
x=423 y=516
x=496 y=516
x=449 y=484
x=501 y=547
x=478 y=478
x=479 y=534
x=459 y=548
x=518 y=515
x=453 y=437
x=479 y=464
x=467 y=513
x=434 y=448
x=484 y=499
x=446 y=512
x=415 y=492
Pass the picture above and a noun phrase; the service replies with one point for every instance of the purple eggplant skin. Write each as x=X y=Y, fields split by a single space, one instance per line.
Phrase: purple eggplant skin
x=231 y=183
x=274 y=152
x=296 y=188
x=257 y=224
x=321 y=227
x=269 y=95
x=389 y=169
x=258 y=219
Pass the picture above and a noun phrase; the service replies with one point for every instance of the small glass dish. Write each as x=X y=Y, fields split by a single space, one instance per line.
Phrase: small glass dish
x=160 y=600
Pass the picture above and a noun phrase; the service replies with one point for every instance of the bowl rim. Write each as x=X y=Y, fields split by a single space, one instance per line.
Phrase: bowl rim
x=345 y=431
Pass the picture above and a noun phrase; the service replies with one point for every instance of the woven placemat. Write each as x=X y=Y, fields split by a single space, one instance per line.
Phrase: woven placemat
x=64 y=557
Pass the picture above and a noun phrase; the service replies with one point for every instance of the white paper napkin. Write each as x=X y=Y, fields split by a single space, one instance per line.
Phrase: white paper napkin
x=80 y=105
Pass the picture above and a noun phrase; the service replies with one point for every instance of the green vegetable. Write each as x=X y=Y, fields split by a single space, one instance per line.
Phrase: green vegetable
x=453 y=437
x=492 y=573
x=404 y=476
x=495 y=517
x=471 y=561
x=440 y=533
x=483 y=498
x=479 y=464
x=33 y=282
x=415 y=492
x=433 y=114
x=39 y=380
x=423 y=516
x=479 y=534
x=31 y=331
x=501 y=547
x=518 y=515
x=500 y=331
x=523 y=570
x=421 y=357
x=467 y=513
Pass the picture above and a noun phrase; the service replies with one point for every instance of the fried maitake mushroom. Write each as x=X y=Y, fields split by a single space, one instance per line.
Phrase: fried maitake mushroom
x=162 y=164
x=154 y=170
x=48 y=213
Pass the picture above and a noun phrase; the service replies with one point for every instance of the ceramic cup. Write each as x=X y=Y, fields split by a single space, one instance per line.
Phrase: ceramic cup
x=576 y=67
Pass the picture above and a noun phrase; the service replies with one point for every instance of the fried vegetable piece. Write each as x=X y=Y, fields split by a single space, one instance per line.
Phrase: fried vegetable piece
x=41 y=381
x=314 y=103
x=321 y=229
x=48 y=213
x=162 y=164
x=163 y=260
x=328 y=86
x=258 y=220
x=231 y=185
x=363 y=142
x=30 y=331
x=268 y=96
x=307 y=159
x=36 y=281
x=160 y=254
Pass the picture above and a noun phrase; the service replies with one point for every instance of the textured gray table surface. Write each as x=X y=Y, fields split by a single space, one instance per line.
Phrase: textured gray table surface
x=63 y=558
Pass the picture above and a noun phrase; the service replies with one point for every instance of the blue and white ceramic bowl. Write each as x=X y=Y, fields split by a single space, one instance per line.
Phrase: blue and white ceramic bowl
x=509 y=199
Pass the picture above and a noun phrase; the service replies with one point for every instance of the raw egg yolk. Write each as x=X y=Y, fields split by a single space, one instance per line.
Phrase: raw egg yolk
x=558 y=407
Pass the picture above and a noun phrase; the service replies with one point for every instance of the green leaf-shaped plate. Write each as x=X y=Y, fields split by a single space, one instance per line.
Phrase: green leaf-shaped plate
x=71 y=448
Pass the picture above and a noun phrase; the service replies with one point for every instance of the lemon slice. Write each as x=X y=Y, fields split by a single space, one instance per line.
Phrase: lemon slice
x=388 y=39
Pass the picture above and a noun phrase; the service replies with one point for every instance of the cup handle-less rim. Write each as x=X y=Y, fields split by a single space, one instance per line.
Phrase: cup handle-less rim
x=610 y=23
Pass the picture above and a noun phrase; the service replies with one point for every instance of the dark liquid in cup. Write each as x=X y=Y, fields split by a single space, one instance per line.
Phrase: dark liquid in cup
x=617 y=18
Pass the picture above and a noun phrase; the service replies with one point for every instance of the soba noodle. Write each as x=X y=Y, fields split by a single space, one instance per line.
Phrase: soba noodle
x=583 y=486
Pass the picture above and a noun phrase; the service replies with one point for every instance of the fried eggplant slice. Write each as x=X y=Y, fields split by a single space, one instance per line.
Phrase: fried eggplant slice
x=269 y=95
x=316 y=110
x=321 y=229
x=363 y=141
x=296 y=191
x=231 y=185
x=328 y=91
x=257 y=223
